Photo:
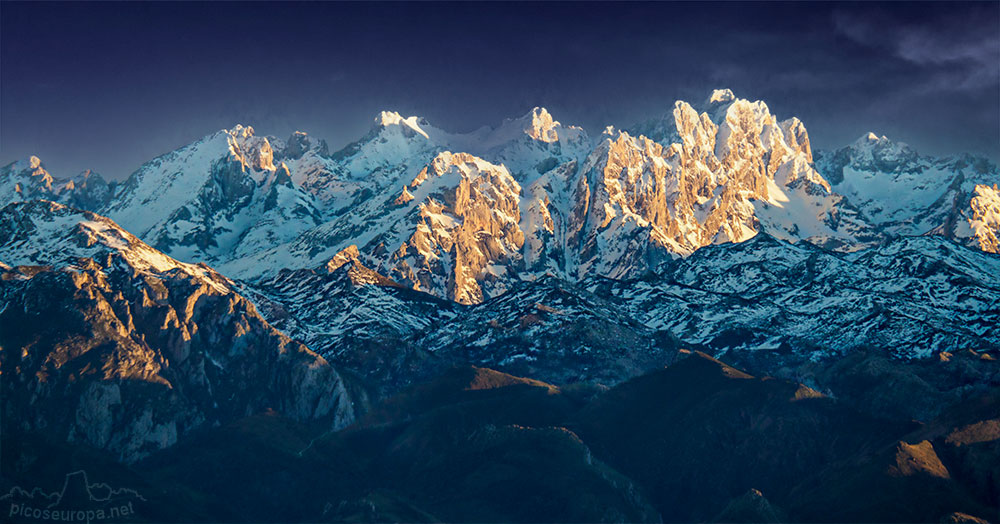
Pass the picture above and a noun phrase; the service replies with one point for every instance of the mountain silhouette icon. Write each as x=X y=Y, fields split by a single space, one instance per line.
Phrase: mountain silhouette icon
x=75 y=491
x=93 y=502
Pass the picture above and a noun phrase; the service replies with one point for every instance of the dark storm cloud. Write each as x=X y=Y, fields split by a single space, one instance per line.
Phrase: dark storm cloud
x=959 y=49
x=107 y=86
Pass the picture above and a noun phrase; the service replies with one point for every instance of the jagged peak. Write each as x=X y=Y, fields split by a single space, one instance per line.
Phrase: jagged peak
x=541 y=126
x=537 y=125
x=232 y=138
x=240 y=131
x=244 y=146
x=720 y=96
x=723 y=105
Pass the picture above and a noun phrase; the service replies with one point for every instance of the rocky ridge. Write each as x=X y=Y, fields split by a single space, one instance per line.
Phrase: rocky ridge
x=111 y=344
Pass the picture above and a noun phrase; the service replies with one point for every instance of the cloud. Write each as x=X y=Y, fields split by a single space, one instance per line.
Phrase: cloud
x=959 y=50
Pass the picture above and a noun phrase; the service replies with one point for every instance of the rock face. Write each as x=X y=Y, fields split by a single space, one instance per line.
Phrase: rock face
x=467 y=216
x=109 y=343
x=985 y=217
x=467 y=225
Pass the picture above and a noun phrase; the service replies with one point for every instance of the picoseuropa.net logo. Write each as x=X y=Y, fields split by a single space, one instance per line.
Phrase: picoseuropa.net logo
x=78 y=501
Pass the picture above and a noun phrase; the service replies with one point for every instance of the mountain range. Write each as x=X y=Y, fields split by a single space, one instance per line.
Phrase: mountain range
x=465 y=216
x=270 y=289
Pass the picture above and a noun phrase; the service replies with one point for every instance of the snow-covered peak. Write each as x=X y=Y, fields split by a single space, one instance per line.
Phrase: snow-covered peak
x=900 y=192
x=392 y=118
x=880 y=154
x=869 y=139
x=872 y=141
x=466 y=166
x=209 y=199
x=537 y=125
x=528 y=146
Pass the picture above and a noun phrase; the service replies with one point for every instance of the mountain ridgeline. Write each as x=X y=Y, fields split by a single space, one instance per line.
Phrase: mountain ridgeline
x=466 y=216
x=698 y=318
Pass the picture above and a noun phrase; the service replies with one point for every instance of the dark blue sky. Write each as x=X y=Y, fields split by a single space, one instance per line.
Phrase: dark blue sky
x=107 y=86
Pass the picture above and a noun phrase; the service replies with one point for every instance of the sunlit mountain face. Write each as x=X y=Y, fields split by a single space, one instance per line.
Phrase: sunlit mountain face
x=722 y=307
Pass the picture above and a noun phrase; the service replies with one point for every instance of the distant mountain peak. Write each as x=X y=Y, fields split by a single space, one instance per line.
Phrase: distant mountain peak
x=871 y=138
x=300 y=142
x=882 y=152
